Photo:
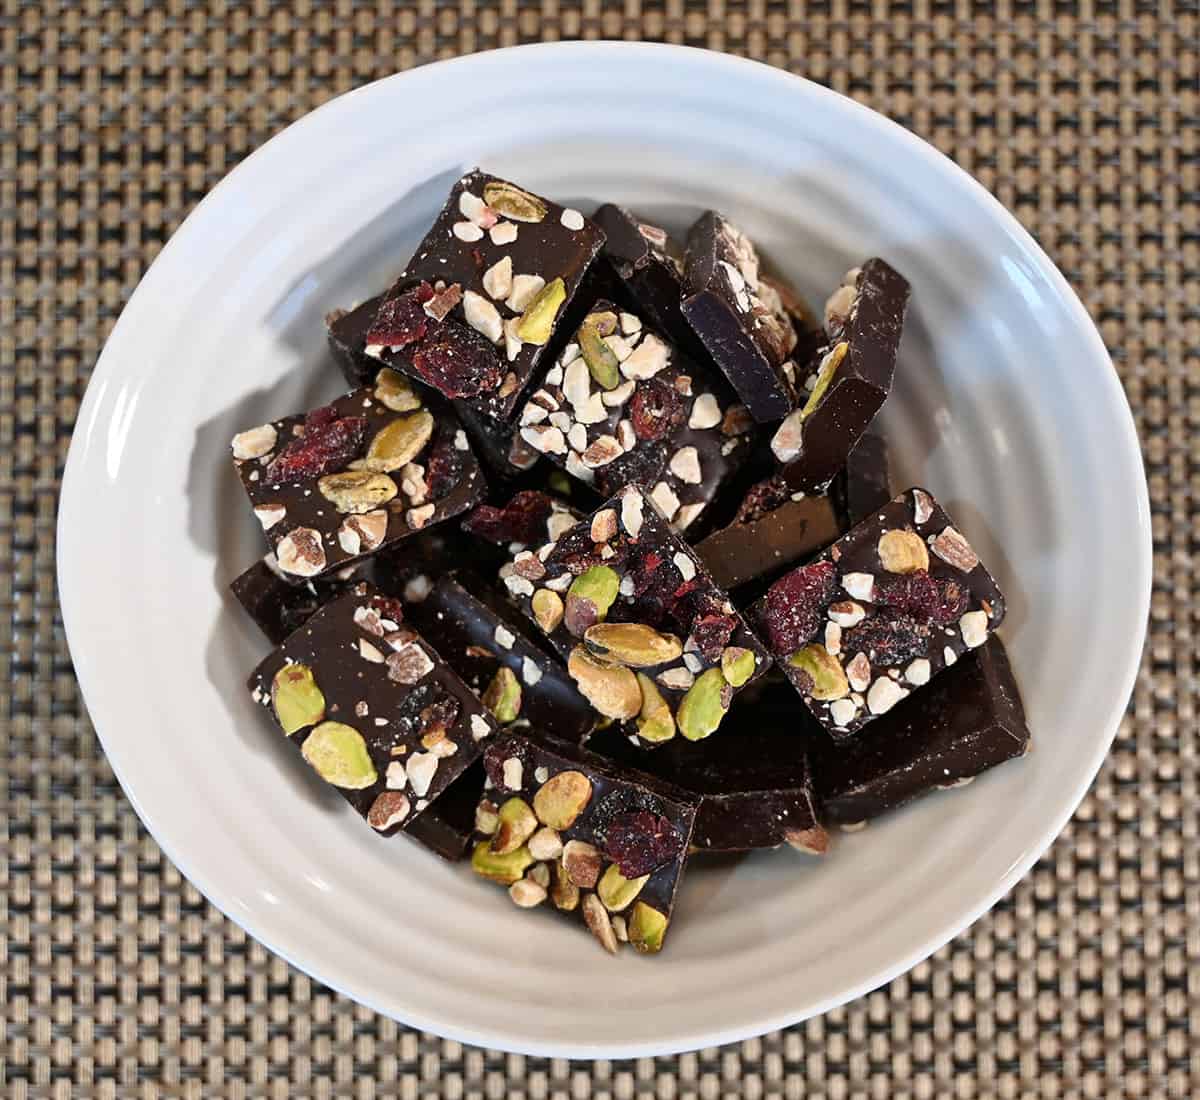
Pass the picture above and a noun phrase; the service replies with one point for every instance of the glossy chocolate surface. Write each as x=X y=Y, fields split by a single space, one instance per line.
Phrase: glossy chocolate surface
x=346 y=331
x=865 y=485
x=280 y=604
x=445 y=827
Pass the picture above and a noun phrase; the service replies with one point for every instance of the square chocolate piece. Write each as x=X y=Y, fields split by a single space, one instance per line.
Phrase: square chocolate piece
x=346 y=332
x=882 y=612
x=648 y=637
x=865 y=485
x=372 y=707
x=280 y=604
x=605 y=846
x=848 y=379
x=622 y=405
x=446 y=826
x=739 y=317
x=482 y=303
x=969 y=720
x=356 y=476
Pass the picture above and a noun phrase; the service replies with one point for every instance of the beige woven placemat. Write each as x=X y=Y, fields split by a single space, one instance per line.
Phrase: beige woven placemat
x=117 y=979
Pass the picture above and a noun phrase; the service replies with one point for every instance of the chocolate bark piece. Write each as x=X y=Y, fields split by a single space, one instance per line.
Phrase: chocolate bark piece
x=648 y=637
x=373 y=708
x=865 y=485
x=883 y=611
x=622 y=404
x=500 y=445
x=447 y=825
x=738 y=317
x=280 y=604
x=346 y=331
x=754 y=781
x=356 y=476
x=563 y=827
x=479 y=637
x=969 y=720
x=411 y=568
x=848 y=379
x=517 y=260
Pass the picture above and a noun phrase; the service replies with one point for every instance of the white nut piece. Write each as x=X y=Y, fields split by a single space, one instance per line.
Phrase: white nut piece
x=647 y=359
x=858 y=672
x=301 y=553
x=617 y=397
x=706 y=412
x=665 y=500
x=467 y=231
x=922 y=506
x=577 y=382
x=787 y=441
x=687 y=514
x=503 y=232
x=513 y=773
x=679 y=679
x=571 y=219
x=846 y=613
x=685 y=565
x=630 y=323
x=497 y=280
x=842 y=711
x=833 y=638
x=954 y=550
x=545 y=438
x=685 y=465
x=974 y=628
x=421 y=768
x=254 y=443
x=545 y=844
x=269 y=514
x=604 y=525
x=395 y=778
x=631 y=512
x=482 y=316
x=524 y=289
x=918 y=672
x=885 y=693
x=860 y=585
x=527 y=893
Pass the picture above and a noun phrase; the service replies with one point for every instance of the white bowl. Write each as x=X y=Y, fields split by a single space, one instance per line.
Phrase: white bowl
x=1006 y=405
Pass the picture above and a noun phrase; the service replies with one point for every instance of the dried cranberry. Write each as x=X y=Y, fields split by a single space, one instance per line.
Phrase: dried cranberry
x=438 y=718
x=494 y=758
x=923 y=596
x=577 y=553
x=388 y=607
x=887 y=638
x=639 y=841
x=402 y=320
x=712 y=633
x=444 y=468
x=654 y=409
x=763 y=498
x=328 y=443
x=457 y=361
x=796 y=605
x=523 y=519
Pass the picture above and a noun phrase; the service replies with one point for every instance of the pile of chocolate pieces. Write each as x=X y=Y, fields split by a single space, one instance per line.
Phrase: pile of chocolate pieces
x=597 y=566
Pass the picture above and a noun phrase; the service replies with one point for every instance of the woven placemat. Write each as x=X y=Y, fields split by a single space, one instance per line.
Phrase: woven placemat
x=119 y=980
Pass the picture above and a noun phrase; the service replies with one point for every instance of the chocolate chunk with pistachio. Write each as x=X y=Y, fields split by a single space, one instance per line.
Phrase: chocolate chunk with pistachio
x=648 y=637
x=878 y=615
x=372 y=708
x=564 y=828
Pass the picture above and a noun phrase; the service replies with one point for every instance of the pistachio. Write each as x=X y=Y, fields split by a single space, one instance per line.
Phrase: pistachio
x=646 y=926
x=503 y=696
x=393 y=391
x=504 y=869
x=511 y=201
x=562 y=798
x=398 y=443
x=338 y=754
x=595 y=916
x=516 y=825
x=563 y=892
x=357 y=491
x=617 y=891
x=825 y=372
x=825 y=671
x=632 y=644
x=297 y=700
x=703 y=707
x=547 y=609
x=590 y=596
x=604 y=321
x=582 y=863
x=655 y=722
x=612 y=690
x=601 y=360
x=537 y=322
x=737 y=665
x=902 y=552
x=545 y=843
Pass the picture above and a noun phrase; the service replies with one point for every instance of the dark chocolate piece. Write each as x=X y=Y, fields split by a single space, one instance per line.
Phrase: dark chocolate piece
x=848 y=380
x=447 y=825
x=622 y=405
x=882 y=612
x=738 y=317
x=500 y=445
x=346 y=331
x=356 y=476
x=648 y=637
x=280 y=604
x=372 y=707
x=517 y=680
x=754 y=781
x=530 y=518
x=562 y=826
x=517 y=261
x=865 y=485
x=969 y=720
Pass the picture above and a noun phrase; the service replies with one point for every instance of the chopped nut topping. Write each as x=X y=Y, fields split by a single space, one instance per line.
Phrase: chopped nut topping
x=269 y=515
x=301 y=553
x=953 y=549
x=685 y=565
x=860 y=585
x=706 y=412
x=497 y=280
x=685 y=465
x=974 y=628
x=918 y=672
x=524 y=289
x=885 y=693
x=467 y=231
x=842 y=711
x=604 y=525
x=922 y=506
x=254 y=443
x=665 y=500
x=503 y=233
x=631 y=512
x=858 y=672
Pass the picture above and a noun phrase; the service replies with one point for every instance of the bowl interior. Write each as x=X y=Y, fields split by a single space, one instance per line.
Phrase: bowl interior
x=1005 y=406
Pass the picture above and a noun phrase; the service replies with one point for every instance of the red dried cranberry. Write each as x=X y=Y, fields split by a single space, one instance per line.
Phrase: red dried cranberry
x=402 y=320
x=388 y=607
x=523 y=519
x=796 y=605
x=494 y=757
x=457 y=361
x=923 y=596
x=439 y=717
x=654 y=409
x=444 y=468
x=328 y=443
x=711 y=633
x=763 y=498
x=639 y=841
x=887 y=638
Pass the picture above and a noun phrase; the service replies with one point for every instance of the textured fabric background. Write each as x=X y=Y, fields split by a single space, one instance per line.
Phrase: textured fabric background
x=116 y=979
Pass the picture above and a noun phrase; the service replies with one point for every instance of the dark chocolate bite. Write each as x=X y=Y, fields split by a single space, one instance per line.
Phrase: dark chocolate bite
x=739 y=317
x=447 y=825
x=865 y=485
x=346 y=331
x=280 y=604
x=479 y=637
x=969 y=720
x=848 y=380
x=648 y=637
x=372 y=707
x=622 y=405
x=883 y=611
x=563 y=827
x=482 y=306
